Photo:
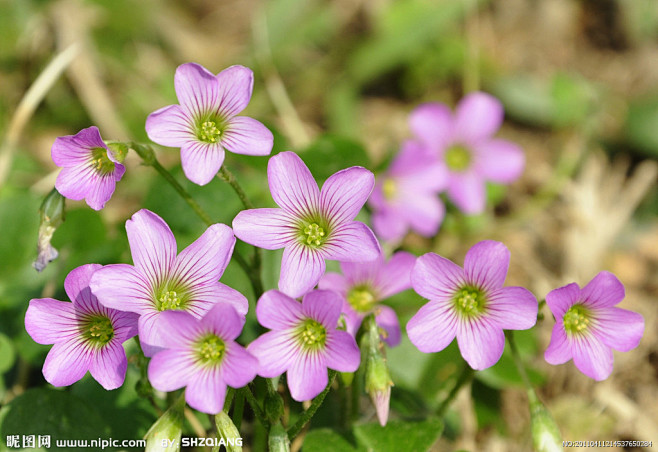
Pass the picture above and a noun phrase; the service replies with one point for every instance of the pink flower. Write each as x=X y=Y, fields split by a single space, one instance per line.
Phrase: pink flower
x=202 y=355
x=588 y=325
x=469 y=303
x=311 y=225
x=89 y=169
x=205 y=122
x=87 y=335
x=304 y=341
x=465 y=146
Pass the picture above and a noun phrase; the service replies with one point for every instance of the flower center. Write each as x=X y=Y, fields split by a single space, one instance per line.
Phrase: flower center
x=208 y=132
x=312 y=335
x=169 y=300
x=315 y=235
x=210 y=349
x=458 y=158
x=389 y=188
x=171 y=296
x=470 y=301
x=98 y=330
x=100 y=161
x=577 y=319
x=361 y=299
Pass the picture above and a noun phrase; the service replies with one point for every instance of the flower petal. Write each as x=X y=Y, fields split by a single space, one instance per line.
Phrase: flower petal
x=76 y=181
x=170 y=126
x=301 y=269
x=152 y=244
x=342 y=353
x=559 y=349
x=277 y=311
x=307 y=377
x=467 y=191
x=205 y=260
x=48 y=321
x=478 y=116
x=395 y=276
x=323 y=306
x=74 y=150
x=352 y=242
x=121 y=286
x=101 y=191
x=206 y=392
x=201 y=161
x=67 y=362
x=435 y=277
x=592 y=357
x=270 y=229
x=172 y=329
x=235 y=86
x=197 y=90
x=335 y=282
x=76 y=285
x=292 y=185
x=619 y=329
x=605 y=290
x=208 y=295
x=424 y=213
x=389 y=224
x=224 y=321
x=481 y=343
x=108 y=366
x=560 y=300
x=238 y=366
x=276 y=351
x=172 y=369
x=499 y=160
x=486 y=264
x=387 y=319
x=433 y=327
x=432 y=123
x=344 y=194
x=512 y=308
x=247 y=136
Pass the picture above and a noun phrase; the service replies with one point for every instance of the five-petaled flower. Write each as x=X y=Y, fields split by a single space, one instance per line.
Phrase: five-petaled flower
x=202 y=354
x=588 y=325
x=363 y=285
x=405 y=196
x=86 y=335
x=90 y=170
x=205 y=122
x=464 y=144
x=470 y=303
x=304 y=341
x=162 y=281
x=312 y=225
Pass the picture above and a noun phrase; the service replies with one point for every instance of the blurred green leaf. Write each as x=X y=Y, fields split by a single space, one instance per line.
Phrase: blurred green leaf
x=399 y=435
x=487 y=405
x=330 y=154
x=642 y=125
x=19 y=217
x=7 y=354
x=324 y=439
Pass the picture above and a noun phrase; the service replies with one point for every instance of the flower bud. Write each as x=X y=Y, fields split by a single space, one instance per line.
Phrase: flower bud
x=165 y=434
x=545 y=432
x=228 y=432
x=278 y=440
x=273 y=406
x=378 y=378
x=119 y=150
x=52 y=215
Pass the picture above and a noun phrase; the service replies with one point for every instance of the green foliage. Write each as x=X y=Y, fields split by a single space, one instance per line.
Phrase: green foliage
x=399 y=435
x=642 y=125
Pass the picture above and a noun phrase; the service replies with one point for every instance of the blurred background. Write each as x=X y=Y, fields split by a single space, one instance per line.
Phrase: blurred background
x=335 y=81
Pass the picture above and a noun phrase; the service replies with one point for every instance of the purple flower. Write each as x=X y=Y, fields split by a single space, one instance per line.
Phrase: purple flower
x=86 y=335
x=162 y=281
x=470 y=303
x=89 y=169
x=363 y=285
x=304 y=341
x=588 y=326
x=205 y=122
x=202 y=355
x=312 y=225
x=405 y=196
x=465 y=145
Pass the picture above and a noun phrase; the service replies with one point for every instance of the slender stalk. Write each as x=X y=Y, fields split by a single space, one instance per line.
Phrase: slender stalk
x=255 y=407
x=464 y=378
x=238 y=409
x=308 y=414
x=228 y=177
x=519 y=362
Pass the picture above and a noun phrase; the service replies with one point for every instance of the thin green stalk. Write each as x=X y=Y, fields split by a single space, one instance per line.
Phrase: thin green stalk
x=308 y=414
x=464 y=378
x=519 y=363
x=255 y=407
x=238 y=409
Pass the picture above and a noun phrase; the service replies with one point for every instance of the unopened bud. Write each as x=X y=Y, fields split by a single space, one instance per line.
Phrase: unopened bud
x=545 y=432
x=165 y=434
x=52 y=215
x=228 y=432
x=278 y=440
x=273 y=406
x=378 y=378
x=119 y=150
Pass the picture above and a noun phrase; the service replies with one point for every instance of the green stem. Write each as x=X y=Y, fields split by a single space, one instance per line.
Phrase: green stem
x=308 y=414
x=464 y=378
x=238 y=409
x=148 y=157
x=519 y=363
x=253 y=403
x=228 y=177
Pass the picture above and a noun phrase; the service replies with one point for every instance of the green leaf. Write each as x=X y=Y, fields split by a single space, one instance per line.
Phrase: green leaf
x=324 y=439
x=50 y=412
x=642 y=125
x=399 y=435
x=7 y=354
x=19 y=217
x=331 y=153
